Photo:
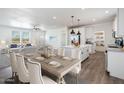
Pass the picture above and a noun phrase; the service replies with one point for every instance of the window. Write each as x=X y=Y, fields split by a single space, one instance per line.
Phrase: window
x=15 y=37
x=20 y=37
x=25 y=37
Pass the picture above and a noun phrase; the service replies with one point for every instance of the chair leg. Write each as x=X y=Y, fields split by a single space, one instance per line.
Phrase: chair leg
x=77 y=77
x=63 y=81
x=15 y=77
x=12 y=75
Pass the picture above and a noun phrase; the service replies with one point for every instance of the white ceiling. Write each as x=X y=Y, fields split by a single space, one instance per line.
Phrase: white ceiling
x=27 y=17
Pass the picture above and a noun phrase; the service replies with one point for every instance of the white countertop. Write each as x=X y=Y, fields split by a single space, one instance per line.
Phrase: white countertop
x=78 y=47
x=115 y=49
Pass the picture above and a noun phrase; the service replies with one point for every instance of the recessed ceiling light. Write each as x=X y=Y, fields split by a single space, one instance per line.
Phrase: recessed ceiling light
x=94 y=19
x=83 y=8
x=54 y=17
x=106 y=11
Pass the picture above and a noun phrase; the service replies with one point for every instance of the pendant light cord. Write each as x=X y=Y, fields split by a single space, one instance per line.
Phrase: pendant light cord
x=72 y=21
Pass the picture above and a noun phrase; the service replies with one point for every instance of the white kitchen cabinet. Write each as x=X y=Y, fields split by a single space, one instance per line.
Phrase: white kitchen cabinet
x=115 y=24
x=91 y=48
x=115 y=64
x=120 y=17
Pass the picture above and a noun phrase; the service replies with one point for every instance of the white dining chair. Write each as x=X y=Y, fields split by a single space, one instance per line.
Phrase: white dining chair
x=69 y=54
x=76 y=70
x=75 y=55
x=22 y=71
x=13 y=62
x=61 y=52
x=35 y=74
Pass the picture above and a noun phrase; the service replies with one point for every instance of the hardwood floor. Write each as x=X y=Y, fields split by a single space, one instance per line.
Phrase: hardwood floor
x=4 y=74
x=92 y=72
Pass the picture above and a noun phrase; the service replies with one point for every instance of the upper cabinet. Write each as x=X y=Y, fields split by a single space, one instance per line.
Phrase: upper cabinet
x=120 y=21
x=115 y=24
x=115 y=27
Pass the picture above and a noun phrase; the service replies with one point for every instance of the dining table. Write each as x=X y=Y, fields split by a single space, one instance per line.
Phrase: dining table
x=56 y=65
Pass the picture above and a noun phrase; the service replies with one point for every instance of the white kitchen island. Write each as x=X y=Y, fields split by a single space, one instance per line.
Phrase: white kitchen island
x=115 y=62
x=76 y=52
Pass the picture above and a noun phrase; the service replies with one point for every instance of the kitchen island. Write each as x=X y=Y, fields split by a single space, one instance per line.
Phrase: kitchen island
x=81 y=52
x=115 y=62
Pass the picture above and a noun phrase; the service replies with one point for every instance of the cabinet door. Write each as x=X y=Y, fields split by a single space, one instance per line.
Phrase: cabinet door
x=121 y=22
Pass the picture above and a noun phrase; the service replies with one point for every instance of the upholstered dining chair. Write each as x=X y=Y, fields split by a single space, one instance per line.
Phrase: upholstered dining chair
x=76 y=70
x=35 y=74
x=69 y=54
x=22 y=71
x=75 y=55
x=13 y=62
x=61 y=52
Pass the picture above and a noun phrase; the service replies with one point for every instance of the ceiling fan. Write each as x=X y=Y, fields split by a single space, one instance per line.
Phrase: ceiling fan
x=36 y=28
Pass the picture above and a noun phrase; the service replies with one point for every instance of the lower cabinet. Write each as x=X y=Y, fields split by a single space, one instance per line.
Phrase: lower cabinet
x=115 y=64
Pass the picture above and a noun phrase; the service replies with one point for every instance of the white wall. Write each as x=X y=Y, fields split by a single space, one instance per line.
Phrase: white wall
x=60 y=34
x=106 y=27
x=6 y=32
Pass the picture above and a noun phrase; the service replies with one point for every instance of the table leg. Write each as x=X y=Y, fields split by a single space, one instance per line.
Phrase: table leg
x=61 y=81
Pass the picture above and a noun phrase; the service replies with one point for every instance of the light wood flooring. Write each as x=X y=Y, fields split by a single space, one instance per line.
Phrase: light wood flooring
x=93 y=71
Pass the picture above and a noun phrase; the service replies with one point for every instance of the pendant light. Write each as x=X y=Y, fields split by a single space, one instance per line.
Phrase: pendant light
x=78 y=27
x=72 y=32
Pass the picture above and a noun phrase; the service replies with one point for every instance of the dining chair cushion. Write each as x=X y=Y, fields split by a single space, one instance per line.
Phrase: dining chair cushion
x=60 y=51
x=13 y=61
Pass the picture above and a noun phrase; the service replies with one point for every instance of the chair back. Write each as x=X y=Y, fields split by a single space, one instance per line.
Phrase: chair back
x=35 y=74
x=76 y=55
x=22 y=70
x=29 y=50
x=13 y=61
x=61 y=51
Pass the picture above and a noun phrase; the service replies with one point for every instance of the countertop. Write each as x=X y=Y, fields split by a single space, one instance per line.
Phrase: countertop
x=115 y=49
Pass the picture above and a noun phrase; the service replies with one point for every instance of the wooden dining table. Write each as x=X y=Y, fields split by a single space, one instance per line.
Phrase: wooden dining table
x=66 y=65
